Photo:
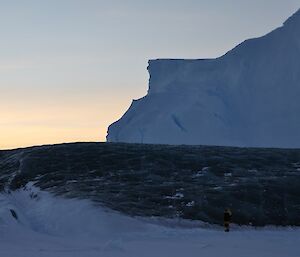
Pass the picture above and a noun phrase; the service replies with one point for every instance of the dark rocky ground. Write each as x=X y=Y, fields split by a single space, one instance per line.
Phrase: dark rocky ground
x=261 y=186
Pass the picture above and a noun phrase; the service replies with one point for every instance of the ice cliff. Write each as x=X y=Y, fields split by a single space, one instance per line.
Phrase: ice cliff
x=248 y=97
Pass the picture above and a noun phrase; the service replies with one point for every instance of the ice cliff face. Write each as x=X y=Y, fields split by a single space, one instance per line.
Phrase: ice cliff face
x=248 y=97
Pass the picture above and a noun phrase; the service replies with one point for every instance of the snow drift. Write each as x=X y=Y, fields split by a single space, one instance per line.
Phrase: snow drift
x=248 y=97
x=52 y=226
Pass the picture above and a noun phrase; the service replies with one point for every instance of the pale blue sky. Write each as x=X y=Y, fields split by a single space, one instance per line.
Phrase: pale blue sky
x=68 y=68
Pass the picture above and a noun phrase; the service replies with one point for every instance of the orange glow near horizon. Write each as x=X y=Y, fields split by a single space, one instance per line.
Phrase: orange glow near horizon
x=32 y=136
x=23 y=127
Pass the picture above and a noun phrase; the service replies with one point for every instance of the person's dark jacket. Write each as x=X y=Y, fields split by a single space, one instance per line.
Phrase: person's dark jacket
x=227 y=216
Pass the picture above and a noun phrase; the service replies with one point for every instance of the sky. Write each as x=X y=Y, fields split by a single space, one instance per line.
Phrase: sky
x=69 y=68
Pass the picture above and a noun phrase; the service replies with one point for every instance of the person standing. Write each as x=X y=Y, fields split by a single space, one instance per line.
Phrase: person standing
x=227 y=219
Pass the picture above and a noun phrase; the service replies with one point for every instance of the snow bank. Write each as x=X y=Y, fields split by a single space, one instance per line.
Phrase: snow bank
x=39 y=211
x=48 y=226
x=248 y=97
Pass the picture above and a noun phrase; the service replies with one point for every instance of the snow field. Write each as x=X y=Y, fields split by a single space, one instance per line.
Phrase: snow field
x=52 y=226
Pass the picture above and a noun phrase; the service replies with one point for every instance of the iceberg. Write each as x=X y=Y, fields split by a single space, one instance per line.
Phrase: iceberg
x=248 y=97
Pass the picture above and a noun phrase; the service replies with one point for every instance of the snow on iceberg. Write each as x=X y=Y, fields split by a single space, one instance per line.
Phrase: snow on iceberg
x=248 y=97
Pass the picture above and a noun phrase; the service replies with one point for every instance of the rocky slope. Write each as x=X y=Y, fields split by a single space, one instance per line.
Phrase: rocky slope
x=193 y=182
